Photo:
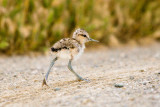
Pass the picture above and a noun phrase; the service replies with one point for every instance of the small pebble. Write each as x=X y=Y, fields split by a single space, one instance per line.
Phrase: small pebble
x=15 y=76
x=131 y=77
x=153 y=86
x=119 y=85
x=35 y=80
x=78 y=86
x=144 y=83
x=57 y=89
x=142 y=70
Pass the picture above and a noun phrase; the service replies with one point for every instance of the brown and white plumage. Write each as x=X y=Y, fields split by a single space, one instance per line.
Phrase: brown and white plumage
x=70 y=48
x=67 y=48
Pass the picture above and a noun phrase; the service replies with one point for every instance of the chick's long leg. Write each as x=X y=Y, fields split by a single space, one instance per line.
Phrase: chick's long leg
x=78 y=76
x=49 y=70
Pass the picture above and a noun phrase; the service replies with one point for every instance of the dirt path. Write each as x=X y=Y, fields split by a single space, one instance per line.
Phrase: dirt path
x=136 y=69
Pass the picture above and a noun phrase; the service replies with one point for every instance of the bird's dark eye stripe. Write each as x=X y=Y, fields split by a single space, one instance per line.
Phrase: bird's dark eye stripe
x=84 y=35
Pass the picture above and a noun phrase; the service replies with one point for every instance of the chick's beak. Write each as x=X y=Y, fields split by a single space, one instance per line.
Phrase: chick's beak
x=90 y=39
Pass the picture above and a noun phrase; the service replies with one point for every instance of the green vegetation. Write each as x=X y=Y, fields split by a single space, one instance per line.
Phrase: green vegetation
x=34 y=25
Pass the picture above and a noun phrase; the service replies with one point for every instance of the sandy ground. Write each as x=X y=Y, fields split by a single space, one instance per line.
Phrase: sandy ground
x=136 y=69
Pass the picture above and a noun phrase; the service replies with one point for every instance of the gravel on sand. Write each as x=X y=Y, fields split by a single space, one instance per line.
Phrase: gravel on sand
x=137 y=68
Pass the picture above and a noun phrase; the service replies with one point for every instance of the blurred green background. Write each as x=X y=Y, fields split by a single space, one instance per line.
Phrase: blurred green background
x=34 y=25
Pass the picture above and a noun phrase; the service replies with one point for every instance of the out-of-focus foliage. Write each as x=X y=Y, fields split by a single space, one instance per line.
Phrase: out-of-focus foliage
x=34 y=25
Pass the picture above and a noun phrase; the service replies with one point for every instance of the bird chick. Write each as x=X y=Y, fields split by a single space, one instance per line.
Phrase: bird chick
x=71 y=49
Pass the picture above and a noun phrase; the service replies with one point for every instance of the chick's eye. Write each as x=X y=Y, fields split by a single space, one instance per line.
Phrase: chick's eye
x=84 y=36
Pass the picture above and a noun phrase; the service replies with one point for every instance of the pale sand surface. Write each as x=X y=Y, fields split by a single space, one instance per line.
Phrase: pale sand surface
x=137 y=69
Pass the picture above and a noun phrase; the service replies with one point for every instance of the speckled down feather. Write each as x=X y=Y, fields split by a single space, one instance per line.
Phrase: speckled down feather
x=66 y=43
